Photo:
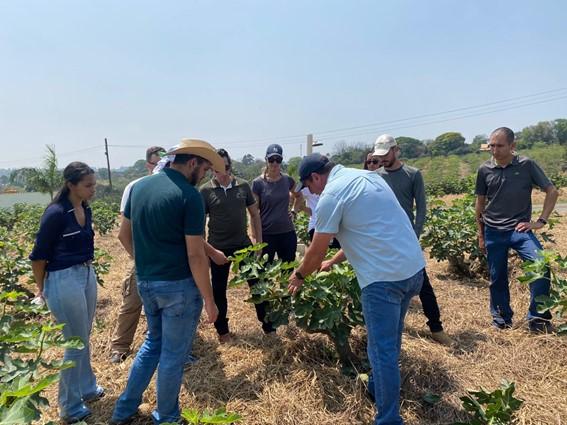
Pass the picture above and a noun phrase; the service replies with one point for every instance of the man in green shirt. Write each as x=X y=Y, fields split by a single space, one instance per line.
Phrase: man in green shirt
x=227 y=199
x=162 y=229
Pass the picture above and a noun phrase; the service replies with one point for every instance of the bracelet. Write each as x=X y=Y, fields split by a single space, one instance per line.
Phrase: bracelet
x=299 y=275
x=542 y=221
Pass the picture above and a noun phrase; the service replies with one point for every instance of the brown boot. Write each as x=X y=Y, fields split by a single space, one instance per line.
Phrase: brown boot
x=442 y=338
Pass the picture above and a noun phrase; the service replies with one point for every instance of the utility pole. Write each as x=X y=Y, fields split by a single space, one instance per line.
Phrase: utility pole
x=311 y=144
x=107 y=162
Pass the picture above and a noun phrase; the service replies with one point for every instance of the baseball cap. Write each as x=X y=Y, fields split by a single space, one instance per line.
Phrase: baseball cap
x=274 y=150
x=383 y=144
x=310 y=164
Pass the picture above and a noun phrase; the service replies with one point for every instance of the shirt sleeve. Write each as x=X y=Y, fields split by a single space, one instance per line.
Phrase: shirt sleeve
x=205 y=195
x=127 y=208
x=50 y=228
x=329 y=214
x=291 y=183
x=125 y=196
x=480 y=187
x=256 y=187
x=538 y=176
x=420 y=203
x=194 y=214
x=250 y=200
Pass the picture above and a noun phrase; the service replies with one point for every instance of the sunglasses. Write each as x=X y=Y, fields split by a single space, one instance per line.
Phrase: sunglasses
x=277 y=159
x=372 y=161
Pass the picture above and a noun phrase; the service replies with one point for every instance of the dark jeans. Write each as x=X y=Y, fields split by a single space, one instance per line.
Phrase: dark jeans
x=498 y=243
x=333 y=244
x=429 y=305
x=285 y=246
x=219 y=280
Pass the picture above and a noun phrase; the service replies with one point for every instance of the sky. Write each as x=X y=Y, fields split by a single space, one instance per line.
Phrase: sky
x=244 y=74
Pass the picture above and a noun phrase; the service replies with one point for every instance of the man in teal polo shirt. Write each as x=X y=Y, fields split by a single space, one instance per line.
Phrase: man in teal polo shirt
x=378 y=240
x=163 y=229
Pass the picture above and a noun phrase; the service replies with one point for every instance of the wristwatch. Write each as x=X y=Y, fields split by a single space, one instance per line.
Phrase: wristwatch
x=299 y=275
x=542 y=221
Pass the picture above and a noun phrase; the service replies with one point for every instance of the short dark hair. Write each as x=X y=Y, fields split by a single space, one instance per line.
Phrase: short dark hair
x=184 y=158
x=508 y=133
x=224 y=154
x=153 y=150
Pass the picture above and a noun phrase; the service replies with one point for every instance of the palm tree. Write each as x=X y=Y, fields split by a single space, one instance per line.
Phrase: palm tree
x=45 y=180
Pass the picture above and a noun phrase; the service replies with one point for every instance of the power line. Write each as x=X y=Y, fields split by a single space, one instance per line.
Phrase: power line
x=415 y=117
x=487 y=112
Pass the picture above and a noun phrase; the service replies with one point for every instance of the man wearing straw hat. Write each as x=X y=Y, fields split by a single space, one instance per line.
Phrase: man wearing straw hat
x=162 y=229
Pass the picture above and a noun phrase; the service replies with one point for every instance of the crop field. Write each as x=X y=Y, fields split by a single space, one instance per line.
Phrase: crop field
x=295 y=378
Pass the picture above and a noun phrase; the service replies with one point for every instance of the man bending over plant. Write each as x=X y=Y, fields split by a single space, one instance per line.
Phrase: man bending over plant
x=383 y=249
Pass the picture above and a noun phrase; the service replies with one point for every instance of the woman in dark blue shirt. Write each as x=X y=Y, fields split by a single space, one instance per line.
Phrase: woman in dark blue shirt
x=62 y=266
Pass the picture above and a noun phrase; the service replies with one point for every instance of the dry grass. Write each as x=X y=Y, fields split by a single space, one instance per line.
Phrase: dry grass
x=295 y=379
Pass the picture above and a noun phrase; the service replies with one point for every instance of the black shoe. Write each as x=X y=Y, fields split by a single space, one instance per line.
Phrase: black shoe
x=540 y=326
x=126 y=421
x=117 y=357
x=502 y=325
x=74 y=419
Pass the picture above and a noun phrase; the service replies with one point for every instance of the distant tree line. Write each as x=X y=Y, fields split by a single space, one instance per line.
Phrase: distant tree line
x=453 y=143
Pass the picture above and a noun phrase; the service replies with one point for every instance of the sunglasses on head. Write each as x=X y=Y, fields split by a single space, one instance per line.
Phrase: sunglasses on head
x=372 y=161
x=277 y=159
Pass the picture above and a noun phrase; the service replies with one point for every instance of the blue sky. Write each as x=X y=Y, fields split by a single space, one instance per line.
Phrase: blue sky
x=242 y=74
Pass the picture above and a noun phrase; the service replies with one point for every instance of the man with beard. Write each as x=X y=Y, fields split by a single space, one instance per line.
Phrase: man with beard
x=162 y=228
x=407 y=184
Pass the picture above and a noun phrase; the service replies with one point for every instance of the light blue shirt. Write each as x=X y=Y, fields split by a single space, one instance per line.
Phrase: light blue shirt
x=371 y=226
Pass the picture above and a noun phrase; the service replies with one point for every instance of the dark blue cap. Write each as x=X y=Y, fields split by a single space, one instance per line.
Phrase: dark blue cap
x=274 y=150
x=310 y=164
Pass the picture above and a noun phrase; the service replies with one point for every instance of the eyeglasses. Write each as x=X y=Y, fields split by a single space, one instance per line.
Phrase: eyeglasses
x=372 y=161
x=277 y=159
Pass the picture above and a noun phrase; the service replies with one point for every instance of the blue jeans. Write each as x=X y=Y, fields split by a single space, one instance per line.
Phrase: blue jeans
x=172 y=312
x=384 y=305
x=71 y=297
x=498 y=243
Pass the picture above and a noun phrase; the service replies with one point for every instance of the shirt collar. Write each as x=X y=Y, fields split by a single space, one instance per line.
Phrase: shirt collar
x=492 y=162
x=231 y=184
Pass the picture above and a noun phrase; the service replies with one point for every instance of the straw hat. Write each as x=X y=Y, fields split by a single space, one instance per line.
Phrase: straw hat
x=199 y=148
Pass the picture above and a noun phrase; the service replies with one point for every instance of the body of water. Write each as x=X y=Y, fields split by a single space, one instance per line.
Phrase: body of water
x=9 y=199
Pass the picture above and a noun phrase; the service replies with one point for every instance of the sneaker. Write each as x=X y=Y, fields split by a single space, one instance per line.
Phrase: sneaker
x=126 y=421
x=96 y=396
x=540 y=326
x=118 y=357
x=225 y=338
x=442 y=338
x=503 y=325
x=68 y=420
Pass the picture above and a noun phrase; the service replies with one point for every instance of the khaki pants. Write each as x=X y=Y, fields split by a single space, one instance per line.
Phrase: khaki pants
x=128 y=316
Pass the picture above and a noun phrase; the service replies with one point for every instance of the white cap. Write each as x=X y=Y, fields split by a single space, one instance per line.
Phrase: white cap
x=383 y=144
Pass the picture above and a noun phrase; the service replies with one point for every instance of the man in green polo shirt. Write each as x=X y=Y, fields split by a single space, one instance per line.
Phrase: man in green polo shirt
x=503 y=211
x=226 y=200
x=162 y=229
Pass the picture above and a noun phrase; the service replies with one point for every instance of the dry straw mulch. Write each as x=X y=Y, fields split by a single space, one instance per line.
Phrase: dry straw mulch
x=295 y=378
